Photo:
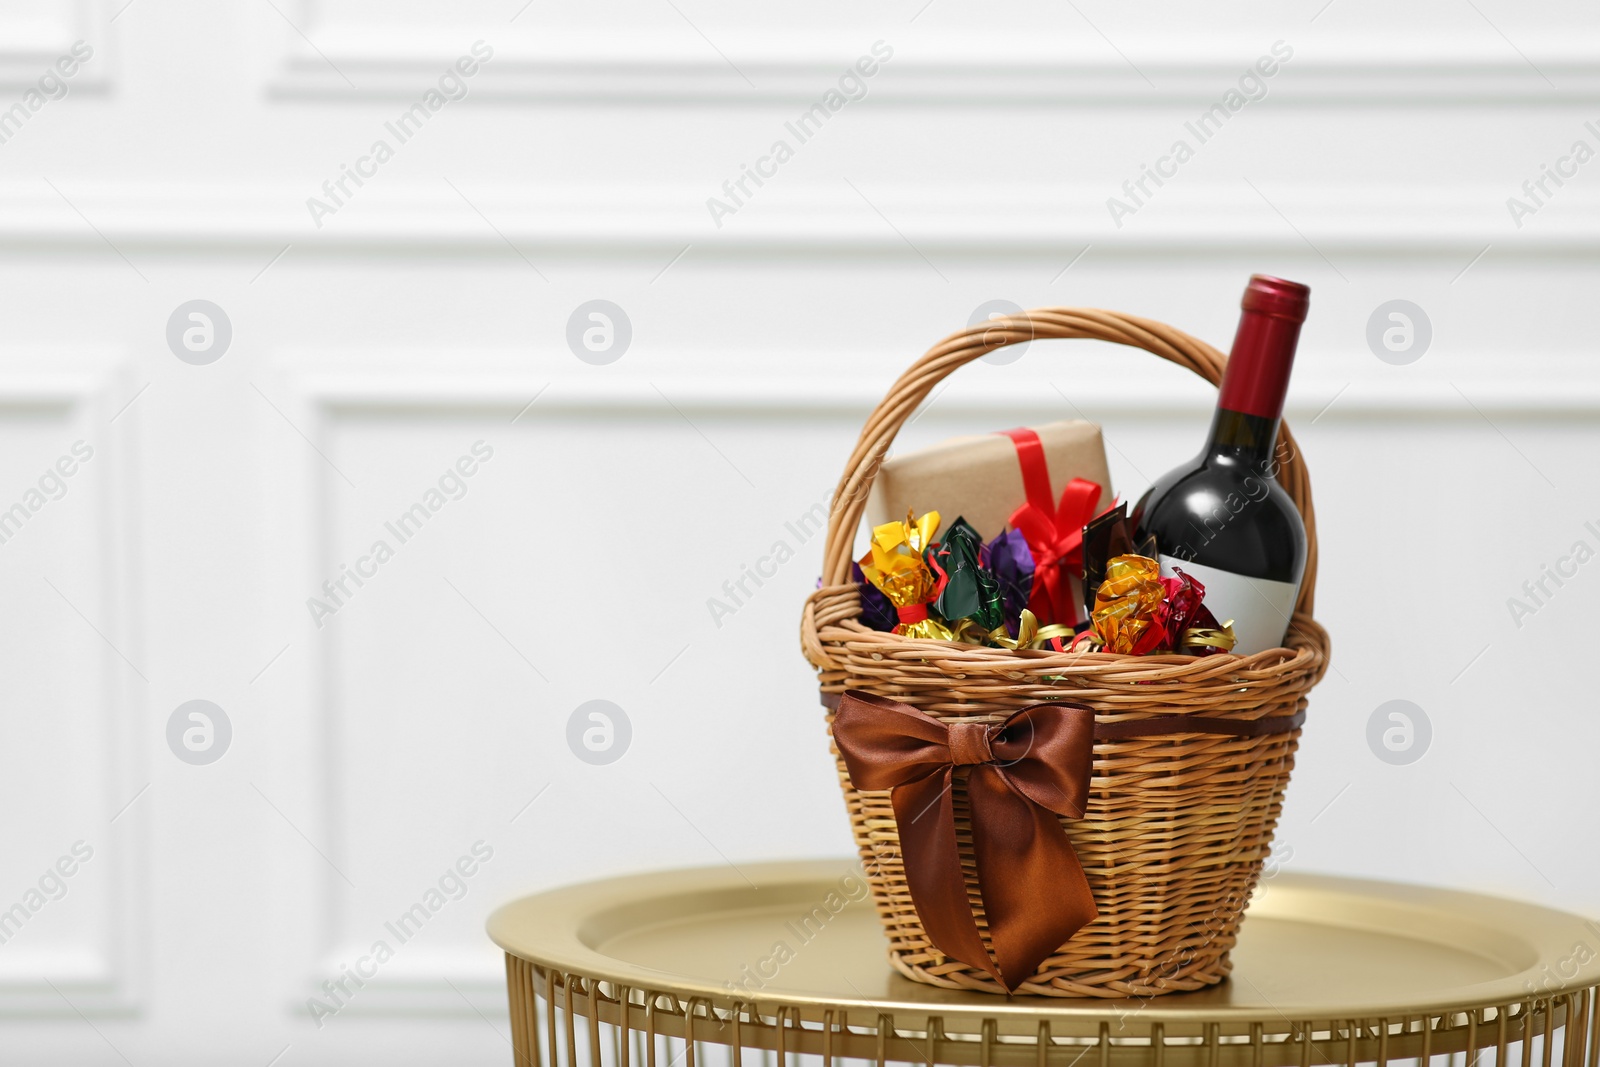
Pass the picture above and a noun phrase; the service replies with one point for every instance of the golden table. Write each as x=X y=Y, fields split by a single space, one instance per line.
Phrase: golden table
x=784 y=962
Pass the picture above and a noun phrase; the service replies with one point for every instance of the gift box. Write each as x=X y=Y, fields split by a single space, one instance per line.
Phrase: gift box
x=1046 y=481
x=980 y=477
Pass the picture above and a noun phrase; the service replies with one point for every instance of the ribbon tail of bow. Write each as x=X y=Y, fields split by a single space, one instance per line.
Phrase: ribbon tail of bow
x=1035 y=893
x=887 y=744
x=924 y=812
x=1077 y=508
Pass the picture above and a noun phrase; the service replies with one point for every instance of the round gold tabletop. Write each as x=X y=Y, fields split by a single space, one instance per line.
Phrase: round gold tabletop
x=790 y=957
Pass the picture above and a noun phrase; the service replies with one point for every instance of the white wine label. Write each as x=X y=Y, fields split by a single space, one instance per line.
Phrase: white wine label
x=1260 y=608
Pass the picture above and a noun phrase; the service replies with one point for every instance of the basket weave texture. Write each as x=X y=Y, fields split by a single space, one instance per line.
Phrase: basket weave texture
x=1177 y=827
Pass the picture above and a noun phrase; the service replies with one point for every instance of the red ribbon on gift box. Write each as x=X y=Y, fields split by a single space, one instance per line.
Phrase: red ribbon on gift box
x=1054 y=531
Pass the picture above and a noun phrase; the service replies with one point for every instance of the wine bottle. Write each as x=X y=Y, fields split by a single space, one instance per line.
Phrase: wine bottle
x=1222 y=517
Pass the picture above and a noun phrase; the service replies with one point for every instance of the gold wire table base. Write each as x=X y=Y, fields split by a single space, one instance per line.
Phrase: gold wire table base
x=778 y=964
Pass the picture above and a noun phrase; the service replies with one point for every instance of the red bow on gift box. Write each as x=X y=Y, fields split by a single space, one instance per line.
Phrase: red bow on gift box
x=1054 y=532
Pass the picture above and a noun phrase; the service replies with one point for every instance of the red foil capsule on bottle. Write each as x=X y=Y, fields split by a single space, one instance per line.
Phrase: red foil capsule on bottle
x=1257 y=377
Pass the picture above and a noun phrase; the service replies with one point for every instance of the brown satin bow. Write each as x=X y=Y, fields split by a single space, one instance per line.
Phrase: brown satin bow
x=1024 y=772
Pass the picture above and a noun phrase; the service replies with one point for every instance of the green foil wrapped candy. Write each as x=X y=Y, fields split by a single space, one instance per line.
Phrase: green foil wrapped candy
x=970 y=590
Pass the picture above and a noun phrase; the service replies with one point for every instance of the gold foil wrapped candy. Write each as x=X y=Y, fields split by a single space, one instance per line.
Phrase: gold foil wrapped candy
x=896 y=565
x=1127 y=606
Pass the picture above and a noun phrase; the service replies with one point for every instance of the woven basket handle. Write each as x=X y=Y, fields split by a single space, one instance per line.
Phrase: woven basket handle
x=974 y=342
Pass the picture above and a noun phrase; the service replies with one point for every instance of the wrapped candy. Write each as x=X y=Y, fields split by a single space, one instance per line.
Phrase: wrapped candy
x=1190 y=626
x=895 y=565
x=876 y=611
x=961 y=589
x=970 y=591
x=1010 y=560
x=1106 y=536
x=1128 y=606
x=1183 y=605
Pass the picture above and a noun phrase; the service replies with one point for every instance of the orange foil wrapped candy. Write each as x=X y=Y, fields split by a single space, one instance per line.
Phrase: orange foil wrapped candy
x=896 y=565
x=1128 y=606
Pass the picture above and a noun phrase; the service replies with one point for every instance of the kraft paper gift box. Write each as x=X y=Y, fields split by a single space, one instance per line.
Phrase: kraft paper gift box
x=980 y=478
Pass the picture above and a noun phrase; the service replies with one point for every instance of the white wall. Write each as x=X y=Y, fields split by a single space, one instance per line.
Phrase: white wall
x=370 y=352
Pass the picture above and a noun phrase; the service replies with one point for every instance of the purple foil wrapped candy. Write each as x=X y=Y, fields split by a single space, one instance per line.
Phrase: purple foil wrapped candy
x=1009 y=559
x=877 y=612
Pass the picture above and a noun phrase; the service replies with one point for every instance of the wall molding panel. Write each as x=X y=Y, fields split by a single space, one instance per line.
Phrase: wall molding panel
x=29 y=47
x=486 y=384
x=439 y=981
x=418 y=220
x=87 y=392
x=930 y=68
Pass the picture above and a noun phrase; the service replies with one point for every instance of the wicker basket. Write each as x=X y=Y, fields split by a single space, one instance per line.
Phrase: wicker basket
x=1177 y=826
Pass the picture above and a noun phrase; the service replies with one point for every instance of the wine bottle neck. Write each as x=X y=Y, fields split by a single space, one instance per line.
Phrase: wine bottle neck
x=1250 y=400
x=1245 y=440
x=1257 y=376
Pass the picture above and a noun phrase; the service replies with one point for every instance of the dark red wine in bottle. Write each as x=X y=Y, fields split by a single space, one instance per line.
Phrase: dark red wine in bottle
x=1222 y=517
